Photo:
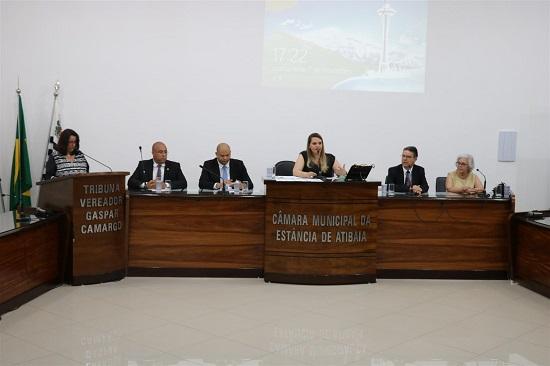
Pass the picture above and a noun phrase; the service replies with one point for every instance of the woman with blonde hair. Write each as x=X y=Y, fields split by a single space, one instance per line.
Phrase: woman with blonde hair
x=314 y=162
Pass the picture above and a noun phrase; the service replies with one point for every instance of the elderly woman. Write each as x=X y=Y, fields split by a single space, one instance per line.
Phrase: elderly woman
x=463 y=180
x=66 y=158
x=314 y=162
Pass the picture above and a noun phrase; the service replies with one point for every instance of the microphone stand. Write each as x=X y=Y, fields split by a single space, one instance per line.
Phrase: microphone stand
x=484 y=183
x=97 y=161
x=141 y=164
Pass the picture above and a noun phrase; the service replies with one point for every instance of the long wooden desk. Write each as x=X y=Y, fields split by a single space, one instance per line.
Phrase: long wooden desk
x=192 y=234
x=531 y=252
x=196 y=234
x=29 y=259
x=443 y=236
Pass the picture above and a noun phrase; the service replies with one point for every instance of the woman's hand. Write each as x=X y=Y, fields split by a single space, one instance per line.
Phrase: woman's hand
x=340 y=170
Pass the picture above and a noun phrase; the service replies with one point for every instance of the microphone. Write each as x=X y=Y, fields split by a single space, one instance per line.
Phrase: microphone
x=484 y=194
x=141 y=163
x=216 y=175
x=484 y=180
x=97 y=161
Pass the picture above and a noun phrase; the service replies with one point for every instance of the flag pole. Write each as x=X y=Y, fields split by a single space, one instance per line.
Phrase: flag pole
x=20 y=193
x=56 y=88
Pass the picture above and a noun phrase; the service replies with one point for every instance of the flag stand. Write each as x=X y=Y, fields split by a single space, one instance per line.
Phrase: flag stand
x=2 y=197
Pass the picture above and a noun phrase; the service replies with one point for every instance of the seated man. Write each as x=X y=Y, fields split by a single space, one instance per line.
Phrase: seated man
x=148 y=171
x=223 y=167
x=407 y=176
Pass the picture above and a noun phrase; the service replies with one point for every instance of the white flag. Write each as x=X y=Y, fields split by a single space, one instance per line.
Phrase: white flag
x=55 y=129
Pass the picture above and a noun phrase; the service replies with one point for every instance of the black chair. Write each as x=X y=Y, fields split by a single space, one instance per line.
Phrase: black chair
x=440 y=184
x=284 y=167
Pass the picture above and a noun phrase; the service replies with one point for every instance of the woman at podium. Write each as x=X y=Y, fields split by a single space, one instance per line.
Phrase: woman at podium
x=314 y=162
x=463 y=180
x=66 y=158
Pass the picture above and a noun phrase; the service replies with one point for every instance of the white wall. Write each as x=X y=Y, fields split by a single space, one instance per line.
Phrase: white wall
x=189 y=73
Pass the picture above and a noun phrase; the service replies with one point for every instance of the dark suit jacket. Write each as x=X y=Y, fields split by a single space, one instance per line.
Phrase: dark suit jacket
x=172 y=172
x=418 y=178
x=237 y=171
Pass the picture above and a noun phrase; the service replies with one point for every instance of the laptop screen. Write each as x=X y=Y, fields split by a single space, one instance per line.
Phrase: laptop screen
x=358 y=172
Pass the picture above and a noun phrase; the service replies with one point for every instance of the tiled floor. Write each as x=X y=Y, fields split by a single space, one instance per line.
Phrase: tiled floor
x=208 y=321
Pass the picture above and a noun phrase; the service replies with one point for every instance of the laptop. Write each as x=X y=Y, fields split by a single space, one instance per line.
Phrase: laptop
x=359 y=172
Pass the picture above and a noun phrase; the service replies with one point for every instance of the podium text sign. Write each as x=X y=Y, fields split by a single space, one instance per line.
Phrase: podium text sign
x=96 y=207
x=320 y=233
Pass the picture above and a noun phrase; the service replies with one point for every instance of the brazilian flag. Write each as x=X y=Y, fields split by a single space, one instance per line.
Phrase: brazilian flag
x=21 y=182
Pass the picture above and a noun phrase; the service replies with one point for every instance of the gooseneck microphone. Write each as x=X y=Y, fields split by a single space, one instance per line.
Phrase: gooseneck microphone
x=141 y=163
x=216 y=175
x=484 y=180
x=97 y=161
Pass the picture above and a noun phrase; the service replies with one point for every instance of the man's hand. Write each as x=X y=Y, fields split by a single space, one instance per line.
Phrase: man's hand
x=152 y=184
x=416 y=189
x=226 y=182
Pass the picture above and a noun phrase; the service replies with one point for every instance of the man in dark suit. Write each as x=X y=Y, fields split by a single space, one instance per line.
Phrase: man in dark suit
x=230 y=170
x=148 y=171
x=407 y=176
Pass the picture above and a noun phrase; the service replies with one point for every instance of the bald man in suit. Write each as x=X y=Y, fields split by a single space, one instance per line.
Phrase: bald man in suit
x=147 y=171
x=231 y=170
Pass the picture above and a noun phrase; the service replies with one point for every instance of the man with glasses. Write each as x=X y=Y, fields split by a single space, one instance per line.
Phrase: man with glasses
x=407 y=176
x=148 y=171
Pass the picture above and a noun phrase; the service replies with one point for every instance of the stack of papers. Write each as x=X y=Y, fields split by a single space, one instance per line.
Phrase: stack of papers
x=544 y=221
x=281 y=178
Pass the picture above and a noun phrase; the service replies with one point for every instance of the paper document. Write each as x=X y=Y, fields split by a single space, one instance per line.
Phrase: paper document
x=281 y=178
x=545 y=221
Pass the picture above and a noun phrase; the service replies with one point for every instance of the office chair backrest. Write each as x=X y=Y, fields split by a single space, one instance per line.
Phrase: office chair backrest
x=284 y=167
x=440 y=184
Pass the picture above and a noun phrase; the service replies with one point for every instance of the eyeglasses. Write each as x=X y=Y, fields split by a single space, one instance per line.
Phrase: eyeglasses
x=461 y=163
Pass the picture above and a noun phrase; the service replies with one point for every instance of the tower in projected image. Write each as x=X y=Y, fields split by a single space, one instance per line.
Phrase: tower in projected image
x=385 y=12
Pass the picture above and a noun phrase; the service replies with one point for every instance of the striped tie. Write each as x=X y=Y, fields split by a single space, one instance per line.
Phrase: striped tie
x=408 y=182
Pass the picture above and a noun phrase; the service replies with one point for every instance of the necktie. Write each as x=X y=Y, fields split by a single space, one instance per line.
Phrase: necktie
x=225 y=176
x=408 y=182
x=159 y=172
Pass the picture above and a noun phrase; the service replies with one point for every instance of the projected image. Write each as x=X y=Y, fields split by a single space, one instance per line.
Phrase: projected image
x=346 y=45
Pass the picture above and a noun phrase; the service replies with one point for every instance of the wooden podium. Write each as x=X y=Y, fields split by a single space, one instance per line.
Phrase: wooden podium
x=320 y=233
x=95 y=205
